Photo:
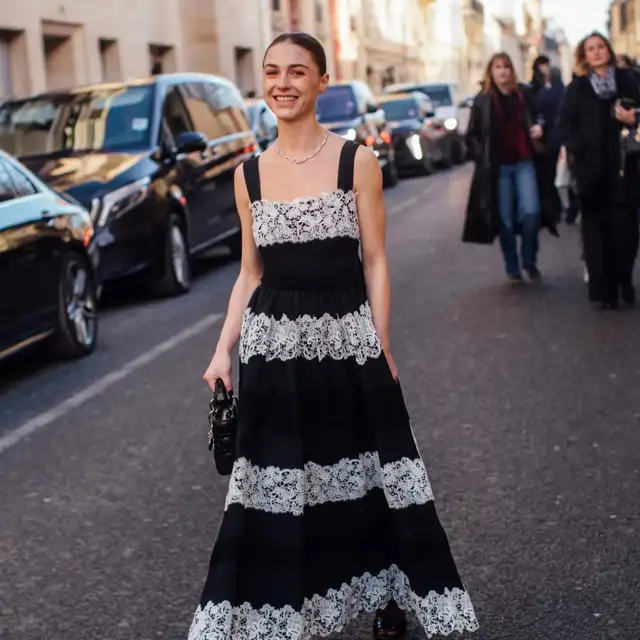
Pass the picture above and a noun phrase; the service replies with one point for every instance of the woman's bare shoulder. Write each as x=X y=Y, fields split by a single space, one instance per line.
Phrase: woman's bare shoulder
x=366 y=160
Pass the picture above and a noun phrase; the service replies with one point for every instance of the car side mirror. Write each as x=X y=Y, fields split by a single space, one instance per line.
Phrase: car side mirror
x=372 y=108
x=429 y=114
x=191 y=142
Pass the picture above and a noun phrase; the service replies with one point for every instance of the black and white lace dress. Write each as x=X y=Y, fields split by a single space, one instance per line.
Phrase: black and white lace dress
x=329 y=511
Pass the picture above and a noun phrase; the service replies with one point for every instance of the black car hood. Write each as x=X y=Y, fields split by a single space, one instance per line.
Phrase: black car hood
x=81 y=174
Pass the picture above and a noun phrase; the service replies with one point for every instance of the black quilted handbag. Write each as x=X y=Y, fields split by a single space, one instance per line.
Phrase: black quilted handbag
x=223 y=428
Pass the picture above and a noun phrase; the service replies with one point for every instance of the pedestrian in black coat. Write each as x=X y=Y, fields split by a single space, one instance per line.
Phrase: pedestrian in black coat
x=506 y=196
x=548 y=91
x=591 y=122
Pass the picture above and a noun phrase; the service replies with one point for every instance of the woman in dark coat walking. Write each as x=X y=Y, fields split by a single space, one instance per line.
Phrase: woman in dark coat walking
x=548 y=92
x=505 y=195
x=592 y=123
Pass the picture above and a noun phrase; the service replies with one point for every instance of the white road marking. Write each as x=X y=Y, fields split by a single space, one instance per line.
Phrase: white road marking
x=102 y=384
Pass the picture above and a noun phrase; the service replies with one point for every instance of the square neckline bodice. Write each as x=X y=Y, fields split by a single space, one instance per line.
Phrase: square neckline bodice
x=345 y=181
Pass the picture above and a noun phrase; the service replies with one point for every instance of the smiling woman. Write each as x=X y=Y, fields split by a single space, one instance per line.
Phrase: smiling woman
x=284 y=77
x=329 y=511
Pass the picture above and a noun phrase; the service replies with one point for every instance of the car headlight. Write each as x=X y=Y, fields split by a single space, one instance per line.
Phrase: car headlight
x=350 y=134
x=450 y=124
x=117 y=202
x=413 y=142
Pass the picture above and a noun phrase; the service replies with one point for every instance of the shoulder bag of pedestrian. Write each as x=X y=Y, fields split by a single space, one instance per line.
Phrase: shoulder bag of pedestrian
x=223 y=428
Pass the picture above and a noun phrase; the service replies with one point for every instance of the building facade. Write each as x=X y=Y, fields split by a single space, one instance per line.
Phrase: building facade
x=555 y=45
x=475 y=45
x=447 y=47
x=226 y=38
x=229 y=38
x=511 y=42
x=624 y=27
x=516 y=26
x=51 y=44
x=381 y=41
x=312 y=16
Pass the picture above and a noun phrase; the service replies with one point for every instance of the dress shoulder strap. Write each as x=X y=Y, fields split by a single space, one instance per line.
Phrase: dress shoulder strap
x=252 y=178
x=347 y=164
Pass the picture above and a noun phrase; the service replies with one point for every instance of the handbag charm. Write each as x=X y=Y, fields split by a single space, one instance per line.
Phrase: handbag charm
x=223 y=427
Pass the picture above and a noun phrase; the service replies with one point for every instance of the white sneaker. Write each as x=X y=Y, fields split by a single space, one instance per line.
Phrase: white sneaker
x=586 y=276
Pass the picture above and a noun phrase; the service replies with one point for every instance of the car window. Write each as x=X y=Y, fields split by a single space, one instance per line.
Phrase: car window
x=337 y=103
x=175 y=114
x=21 y=182
x=7 y=190
x=202 y=112
x=229 y=107
x=440 y=94
x=102 y=119
x=402 y=109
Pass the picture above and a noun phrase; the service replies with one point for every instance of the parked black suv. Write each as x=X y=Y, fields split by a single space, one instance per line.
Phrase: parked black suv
x=152 y=160
x=351 y=110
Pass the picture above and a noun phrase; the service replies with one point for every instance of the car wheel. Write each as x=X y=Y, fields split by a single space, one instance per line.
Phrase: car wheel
x=177 y=263
x=390 y=173
x=77 y=329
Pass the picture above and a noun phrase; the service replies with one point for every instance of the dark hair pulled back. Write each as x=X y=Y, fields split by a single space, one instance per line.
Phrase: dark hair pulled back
x=306 y=41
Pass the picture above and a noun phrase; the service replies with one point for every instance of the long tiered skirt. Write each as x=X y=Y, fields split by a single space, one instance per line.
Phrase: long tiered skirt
x=329 y=511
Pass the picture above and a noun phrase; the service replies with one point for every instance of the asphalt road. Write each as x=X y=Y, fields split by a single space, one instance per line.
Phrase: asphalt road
x=525 y=405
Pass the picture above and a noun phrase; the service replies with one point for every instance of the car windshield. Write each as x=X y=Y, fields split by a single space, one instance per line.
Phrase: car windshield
x=337 y=103
x=98 y=120
x=440 y=94
x=404 y=109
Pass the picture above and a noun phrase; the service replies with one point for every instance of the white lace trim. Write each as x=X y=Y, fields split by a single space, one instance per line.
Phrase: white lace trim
x=352 y=335
x=276 y=490
x=438 y=613
x=330 y=215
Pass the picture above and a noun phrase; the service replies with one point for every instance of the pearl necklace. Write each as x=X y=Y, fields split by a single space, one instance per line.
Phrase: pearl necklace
x=313 y=155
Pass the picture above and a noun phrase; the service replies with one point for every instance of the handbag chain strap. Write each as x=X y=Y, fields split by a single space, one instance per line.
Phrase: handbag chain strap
x=214 y=414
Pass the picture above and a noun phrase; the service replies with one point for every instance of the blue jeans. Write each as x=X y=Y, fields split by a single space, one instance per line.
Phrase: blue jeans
x=518 y=204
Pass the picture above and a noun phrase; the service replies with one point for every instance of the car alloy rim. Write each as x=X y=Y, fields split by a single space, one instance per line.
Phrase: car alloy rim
x=80 y=304
x=179 y=256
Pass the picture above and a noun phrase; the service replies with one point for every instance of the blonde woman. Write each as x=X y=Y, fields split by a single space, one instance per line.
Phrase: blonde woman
x=600 y=102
